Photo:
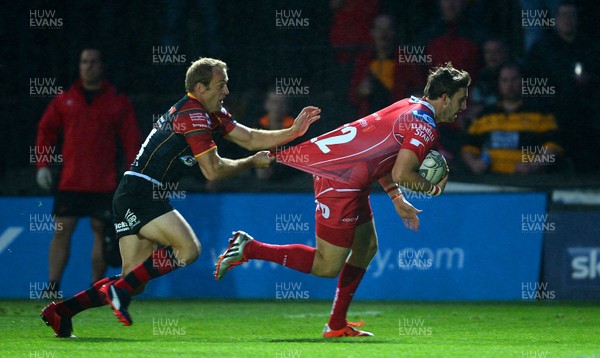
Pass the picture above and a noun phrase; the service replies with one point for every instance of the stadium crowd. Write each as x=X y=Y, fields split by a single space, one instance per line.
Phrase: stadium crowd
x=345 y=56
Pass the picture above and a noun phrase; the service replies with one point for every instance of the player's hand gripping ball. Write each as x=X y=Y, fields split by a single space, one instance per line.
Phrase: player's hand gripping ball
x=434 y=167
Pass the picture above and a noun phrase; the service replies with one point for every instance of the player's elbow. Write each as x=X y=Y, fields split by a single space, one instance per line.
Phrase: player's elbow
x=214 y=174
x=210 y=172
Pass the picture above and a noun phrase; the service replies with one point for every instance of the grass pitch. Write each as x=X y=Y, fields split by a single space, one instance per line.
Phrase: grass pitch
x=201 y=328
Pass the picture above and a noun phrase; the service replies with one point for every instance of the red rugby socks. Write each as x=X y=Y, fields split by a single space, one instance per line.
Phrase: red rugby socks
x=297 y=257
x=348 y=282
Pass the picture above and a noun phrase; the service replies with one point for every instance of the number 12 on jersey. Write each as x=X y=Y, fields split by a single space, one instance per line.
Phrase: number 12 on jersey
x=348 y=134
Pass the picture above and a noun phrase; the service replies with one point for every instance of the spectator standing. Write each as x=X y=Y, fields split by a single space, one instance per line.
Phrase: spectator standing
x=90 y=118
x=566 y=63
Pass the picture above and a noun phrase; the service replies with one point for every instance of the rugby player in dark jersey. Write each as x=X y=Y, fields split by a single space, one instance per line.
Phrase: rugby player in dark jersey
x=182 y=138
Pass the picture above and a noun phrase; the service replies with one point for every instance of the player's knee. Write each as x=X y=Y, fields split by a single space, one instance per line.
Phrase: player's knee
x=372 y=249
x=326 y=270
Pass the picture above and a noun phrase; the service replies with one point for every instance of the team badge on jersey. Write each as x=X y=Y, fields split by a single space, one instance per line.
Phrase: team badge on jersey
x=188 y=160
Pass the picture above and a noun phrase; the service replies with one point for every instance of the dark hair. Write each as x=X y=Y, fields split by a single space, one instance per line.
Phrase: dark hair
x=445 y=79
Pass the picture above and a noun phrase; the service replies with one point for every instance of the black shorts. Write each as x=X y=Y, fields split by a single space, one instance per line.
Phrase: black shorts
x=135 y=204
x=80 y=204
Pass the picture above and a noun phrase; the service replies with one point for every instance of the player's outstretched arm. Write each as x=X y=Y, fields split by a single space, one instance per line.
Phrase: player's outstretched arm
x=406 y=173
x=405 y=210
x=214 y=167
x=257 y=139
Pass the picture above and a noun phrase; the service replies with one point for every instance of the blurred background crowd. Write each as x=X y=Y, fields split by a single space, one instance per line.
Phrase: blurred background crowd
x=531 y=119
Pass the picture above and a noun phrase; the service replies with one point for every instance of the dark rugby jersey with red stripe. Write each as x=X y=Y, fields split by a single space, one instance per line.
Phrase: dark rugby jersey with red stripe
x=180 y=136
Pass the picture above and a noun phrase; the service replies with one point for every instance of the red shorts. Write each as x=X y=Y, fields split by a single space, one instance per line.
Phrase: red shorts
x=339 y=211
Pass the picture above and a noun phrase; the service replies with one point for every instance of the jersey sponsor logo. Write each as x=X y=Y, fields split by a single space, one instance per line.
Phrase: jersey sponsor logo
x=199 y=116
x=121 y=227
x=201 y=125
x=423 y=115
x=188 y=160
x=131 y=218
x=423 y=131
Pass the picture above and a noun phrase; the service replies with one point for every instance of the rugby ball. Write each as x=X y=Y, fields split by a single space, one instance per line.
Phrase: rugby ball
x=434 y=167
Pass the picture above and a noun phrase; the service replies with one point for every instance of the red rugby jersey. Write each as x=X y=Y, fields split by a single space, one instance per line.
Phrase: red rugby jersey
x=90 y=133
x=361 y=152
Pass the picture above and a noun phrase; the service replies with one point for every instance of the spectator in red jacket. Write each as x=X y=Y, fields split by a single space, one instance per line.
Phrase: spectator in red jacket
x=90 y=117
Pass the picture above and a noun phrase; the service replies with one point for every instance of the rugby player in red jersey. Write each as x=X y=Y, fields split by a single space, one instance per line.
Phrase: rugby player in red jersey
x=181 y=140
x=387 y=146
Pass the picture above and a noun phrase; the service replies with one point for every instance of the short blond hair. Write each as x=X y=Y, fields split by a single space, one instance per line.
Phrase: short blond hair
x=202 y=71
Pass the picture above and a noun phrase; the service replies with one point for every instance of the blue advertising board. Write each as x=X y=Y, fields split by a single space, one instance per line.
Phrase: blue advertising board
x=469 y=247
x=572 y=255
